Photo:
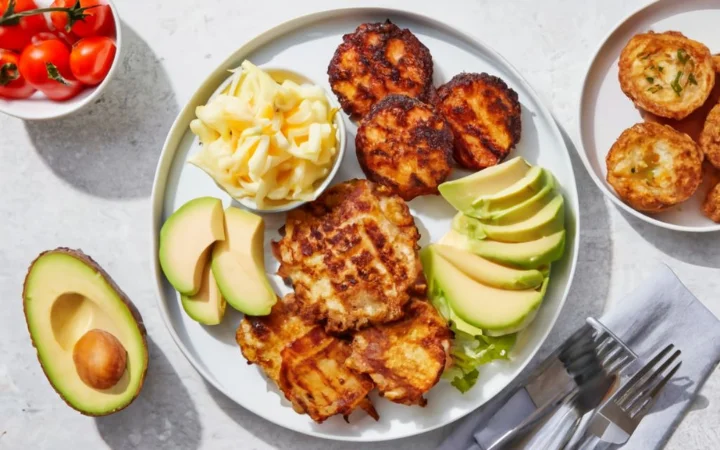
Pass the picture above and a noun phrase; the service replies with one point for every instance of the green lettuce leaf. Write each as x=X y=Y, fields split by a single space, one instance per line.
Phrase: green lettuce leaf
x=468 y=350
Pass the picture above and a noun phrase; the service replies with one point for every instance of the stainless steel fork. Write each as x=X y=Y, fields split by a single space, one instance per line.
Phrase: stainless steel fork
x=618 y=417
x=580 y=371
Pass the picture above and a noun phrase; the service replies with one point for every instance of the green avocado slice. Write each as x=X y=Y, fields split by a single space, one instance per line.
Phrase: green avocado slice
x=495 y=311
x=208 y=305
x=521 y=190
x=524 y=255
x=238 y=264
x=185 y=241
x=488 y=272
x=524 y=209
x=65 y=295
x=547 y=221
x=462 y=192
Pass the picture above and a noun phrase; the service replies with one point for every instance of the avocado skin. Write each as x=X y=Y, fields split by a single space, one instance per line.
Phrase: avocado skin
x=87 y=260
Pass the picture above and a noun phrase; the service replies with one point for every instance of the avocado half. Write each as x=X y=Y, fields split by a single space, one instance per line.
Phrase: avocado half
x=66 y=294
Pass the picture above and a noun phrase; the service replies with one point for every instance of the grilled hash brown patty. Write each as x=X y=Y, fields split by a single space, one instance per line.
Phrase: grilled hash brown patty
x=653 y=167
x=405 y=144
x=314 y=377
x=351 y=255
x=666 y=74
x=261 y=339
x=376 y=60
x=406 y=358
x=309 y=377
x=484 y=114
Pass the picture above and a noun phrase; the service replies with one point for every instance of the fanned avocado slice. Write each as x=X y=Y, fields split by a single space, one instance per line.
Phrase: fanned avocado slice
x=90 y=338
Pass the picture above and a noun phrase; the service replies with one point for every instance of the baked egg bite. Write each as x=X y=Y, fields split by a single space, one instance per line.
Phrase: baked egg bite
x=666 y=73
x=653 y=167
x=711 y=206
x=710 y=137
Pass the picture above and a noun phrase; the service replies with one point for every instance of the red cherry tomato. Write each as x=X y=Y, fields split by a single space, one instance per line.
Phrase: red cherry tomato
x=16 y=37
x=46 y=66
x=12 y=84
x=91 y=59
x=93 y=22
x=68 y=39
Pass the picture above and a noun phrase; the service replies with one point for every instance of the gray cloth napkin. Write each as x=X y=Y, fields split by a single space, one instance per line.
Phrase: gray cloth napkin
x=661 y=311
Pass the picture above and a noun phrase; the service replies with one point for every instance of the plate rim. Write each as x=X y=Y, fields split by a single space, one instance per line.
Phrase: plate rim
x=579 y=144
x=175 y=135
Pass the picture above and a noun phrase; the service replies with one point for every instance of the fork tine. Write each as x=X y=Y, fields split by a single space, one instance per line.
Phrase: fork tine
x=610 y=357
x=632 y=383
x=646 y=386
x=619 y=364
x=651 y=398
x=606 y=347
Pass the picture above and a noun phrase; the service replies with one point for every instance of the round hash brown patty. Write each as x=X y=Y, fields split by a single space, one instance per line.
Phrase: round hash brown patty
x=378 y=59
x=653 y=167
x=710 y=137
x=352 y=256
x=666 y=74
x=484 y=114
x=406 y=145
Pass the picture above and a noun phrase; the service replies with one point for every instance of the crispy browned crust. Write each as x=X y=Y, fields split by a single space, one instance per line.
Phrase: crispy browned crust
x=485 y=117
x=87 y=260
x=262 y=338
x=716 y=63
x=378 y=59
x=406 y=145
x=710 y=137
x=649 y=66
x=315 y=379
x=653 y=167
x=351 y=255
x=711 y=205
x=405 y=359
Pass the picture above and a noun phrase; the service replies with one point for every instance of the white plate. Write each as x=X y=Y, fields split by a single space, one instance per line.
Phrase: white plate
x=605 y=111
x=307 y=44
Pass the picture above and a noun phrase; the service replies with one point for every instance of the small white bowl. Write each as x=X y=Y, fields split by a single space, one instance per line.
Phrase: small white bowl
x=39 y=107
x=281 y=74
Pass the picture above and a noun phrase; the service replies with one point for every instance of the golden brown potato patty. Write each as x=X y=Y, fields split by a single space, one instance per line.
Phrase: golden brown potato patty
x=262 y=338
x=352 y=255
x=653 y=167
x=315 y=378
x=406 y=145
x=307 y=365
x=406 y=358
x=484 y=114
x=378 y=59
x=666 y=74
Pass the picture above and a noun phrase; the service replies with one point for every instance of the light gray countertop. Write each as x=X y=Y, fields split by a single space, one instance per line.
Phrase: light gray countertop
x=84 y=182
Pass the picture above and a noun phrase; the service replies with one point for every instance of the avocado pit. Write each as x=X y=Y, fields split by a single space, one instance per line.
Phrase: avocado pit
x=100 y=359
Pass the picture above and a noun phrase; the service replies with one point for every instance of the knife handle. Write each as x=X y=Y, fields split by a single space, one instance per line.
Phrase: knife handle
x=514 y=419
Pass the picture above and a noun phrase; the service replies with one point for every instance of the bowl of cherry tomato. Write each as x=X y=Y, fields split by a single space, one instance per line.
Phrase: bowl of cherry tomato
x=56 y=56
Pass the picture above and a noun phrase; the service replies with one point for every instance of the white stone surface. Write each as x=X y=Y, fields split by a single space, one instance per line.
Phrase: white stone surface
x=84 y=182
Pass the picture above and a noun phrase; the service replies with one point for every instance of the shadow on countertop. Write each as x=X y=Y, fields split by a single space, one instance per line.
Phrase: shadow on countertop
x=699 y=249
x=162 y=417
x=110 y=148
x=591 y=284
